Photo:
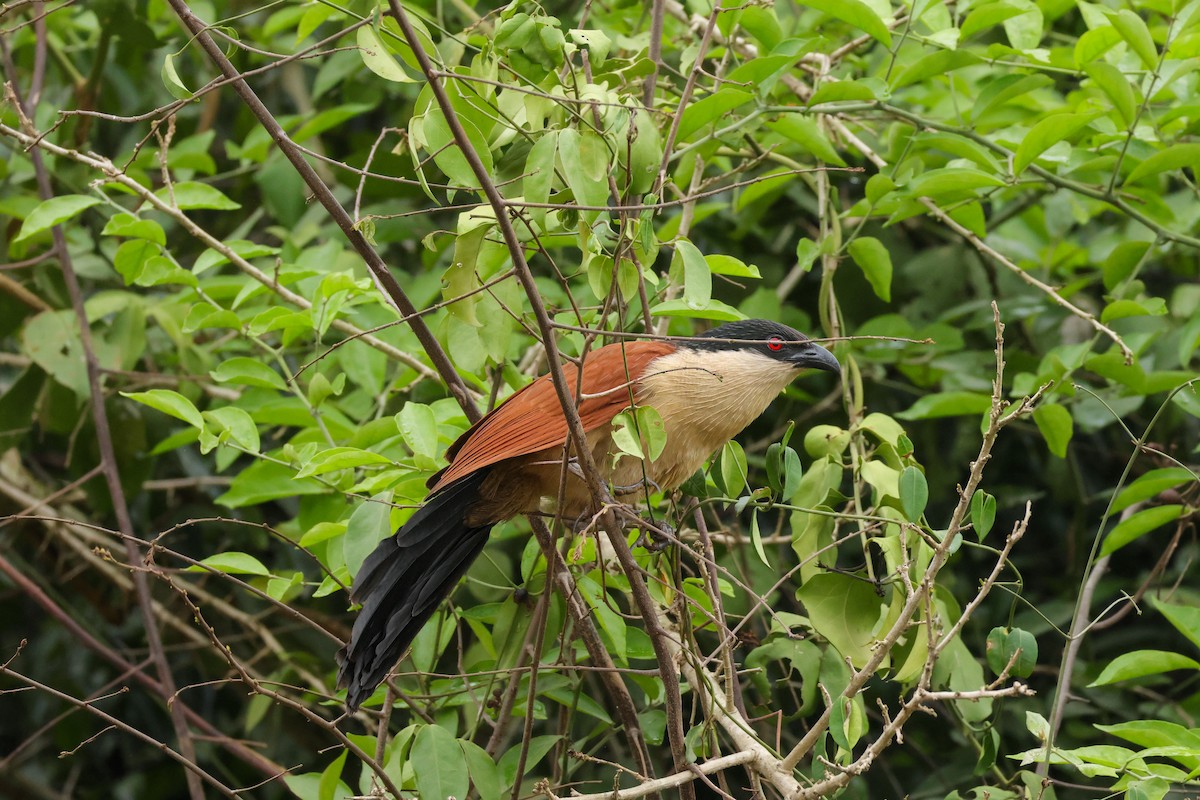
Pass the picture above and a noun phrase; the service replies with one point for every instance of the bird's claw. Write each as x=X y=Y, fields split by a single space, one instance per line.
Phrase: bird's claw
x=655 y=536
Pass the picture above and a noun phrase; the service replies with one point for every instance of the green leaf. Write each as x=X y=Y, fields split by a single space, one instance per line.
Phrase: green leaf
x=245 y=371
x=1025 y=30
x=914 y=493
x=418 y=425
x=844 y=610
x=733 y=267
x=440 y=142
x=539 y=746
x=440 y=759
x=331 y=778
x=1185 y=619
x=940 y=62
x=484 y=772
x=625 y=436
x=805 y=132
x=336 y=458
x=706 y=110
x=1094 y=44
x=856 y=13
x=983 y=513
x=1056 y=425
x=596 y=41
x=53 y=212
x=241 y=426
x=1175 y=157
x=713 y=309
x=1151 y=485
x=1138 y=525
x=733 y=469
x=697 y=280
x=169 y=402
x=232 y=563
x=756 y=538
x=539 y=175
x=366 y=528
x=653 y=431
x=264 y=481
x=1015 y=645
x=947 y=404
x=585 y=161
x=950 y=181
x=1134 y=31
x=51 y=340
x=377 y=58
x=875 y=262
x=132 y=227
x=193 y=194
x=1141 y=663
x=1117 y=87
x=1047 y=133
x=611 y=623
x=170 y=78
x=989 y=15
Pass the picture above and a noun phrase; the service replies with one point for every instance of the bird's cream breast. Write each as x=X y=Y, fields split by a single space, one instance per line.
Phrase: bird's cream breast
x=705 y=398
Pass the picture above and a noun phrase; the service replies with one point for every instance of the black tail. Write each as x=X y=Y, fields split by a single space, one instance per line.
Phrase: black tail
x=401 y=584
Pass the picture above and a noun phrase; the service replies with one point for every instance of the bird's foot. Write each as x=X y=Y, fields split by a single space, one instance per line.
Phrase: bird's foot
x=640 y=486
x=655 y=535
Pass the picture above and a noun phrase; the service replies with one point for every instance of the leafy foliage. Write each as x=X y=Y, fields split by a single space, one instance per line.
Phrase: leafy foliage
x=878 y=170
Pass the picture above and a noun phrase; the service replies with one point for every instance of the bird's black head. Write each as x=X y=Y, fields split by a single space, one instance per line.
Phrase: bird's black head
x=778 y=342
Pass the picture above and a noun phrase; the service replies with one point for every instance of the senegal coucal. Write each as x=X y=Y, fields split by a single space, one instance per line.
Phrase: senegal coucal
x=706 y=391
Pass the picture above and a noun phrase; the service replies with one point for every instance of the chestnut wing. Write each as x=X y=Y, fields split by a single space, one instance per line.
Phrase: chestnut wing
x=532 y=419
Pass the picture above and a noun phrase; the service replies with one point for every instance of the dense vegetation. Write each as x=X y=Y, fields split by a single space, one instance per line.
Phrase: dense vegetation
x=966 y=571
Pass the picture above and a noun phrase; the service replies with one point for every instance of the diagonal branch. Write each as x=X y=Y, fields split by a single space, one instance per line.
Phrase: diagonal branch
x=383 y=276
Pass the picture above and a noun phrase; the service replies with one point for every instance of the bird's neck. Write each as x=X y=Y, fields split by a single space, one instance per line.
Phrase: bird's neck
x=705 y=398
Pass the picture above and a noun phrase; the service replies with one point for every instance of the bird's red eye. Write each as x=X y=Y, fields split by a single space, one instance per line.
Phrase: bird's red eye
x=775 y=343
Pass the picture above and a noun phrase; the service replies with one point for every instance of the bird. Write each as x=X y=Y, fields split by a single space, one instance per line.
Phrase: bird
x=706 y=389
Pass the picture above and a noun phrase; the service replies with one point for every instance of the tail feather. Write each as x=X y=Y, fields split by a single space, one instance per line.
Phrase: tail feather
x=401 y=583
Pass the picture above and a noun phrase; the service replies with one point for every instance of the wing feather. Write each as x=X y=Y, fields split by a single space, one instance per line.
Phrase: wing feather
x=532 y=419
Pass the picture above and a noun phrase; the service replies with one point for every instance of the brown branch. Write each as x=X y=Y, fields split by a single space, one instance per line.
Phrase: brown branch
x=197 y=772
x=84 y=637
x=104 y=442
x=383 y=276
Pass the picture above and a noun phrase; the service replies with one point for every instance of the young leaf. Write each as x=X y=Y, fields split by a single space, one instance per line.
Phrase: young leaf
x=875 y=262
x=232 y=563
x=1141 y=663
x=53 y=212
x=1118 y=88
x=377 y=58
x=733 y=469
x=1174 y=157
x=365 y=529
x=697 y=279
x=441 y=773
x=1047 y=133
x=247 y=372
x=914 y=493
x=705 y=111
x=169 y=402
x=1134 y=31
x=1138 y=525
x=1017 y=646
x=170 y=78
x=856 y=13
x=1056 y=425
x=983 y=513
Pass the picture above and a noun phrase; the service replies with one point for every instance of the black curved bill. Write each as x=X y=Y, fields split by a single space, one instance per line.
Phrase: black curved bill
x=813 y=356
